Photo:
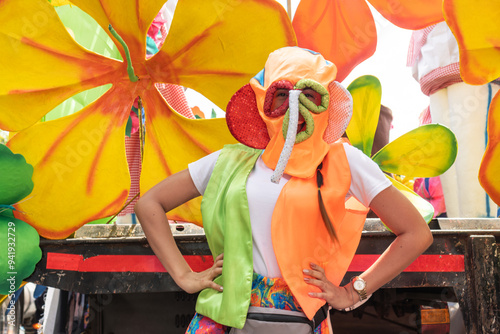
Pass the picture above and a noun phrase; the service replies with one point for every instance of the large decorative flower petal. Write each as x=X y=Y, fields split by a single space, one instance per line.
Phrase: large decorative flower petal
x=426 y=151
x=80 y=166
x=173 y=141
x=59 y=2
x=216 y=49
x=131 y=19
x=15 y=177
x=366 y=93
x=342 y=31
x=424 y=207
x=410 y=14
x=475 y=26
x=489 y=171
x=41 y=64
x=19 y=253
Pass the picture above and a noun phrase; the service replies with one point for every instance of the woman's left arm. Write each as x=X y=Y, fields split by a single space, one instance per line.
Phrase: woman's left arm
x=413 y=237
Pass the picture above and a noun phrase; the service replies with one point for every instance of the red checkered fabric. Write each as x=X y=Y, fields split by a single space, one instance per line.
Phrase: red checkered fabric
x=133 y=150
x=440 y=78
x=175 y=97
x=425 y=116
x=417 y=41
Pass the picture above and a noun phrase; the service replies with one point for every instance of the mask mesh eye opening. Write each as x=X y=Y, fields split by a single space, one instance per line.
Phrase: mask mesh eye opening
x=268 y=101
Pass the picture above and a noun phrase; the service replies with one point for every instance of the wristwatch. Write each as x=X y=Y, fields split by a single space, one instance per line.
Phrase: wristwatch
x=359 y=285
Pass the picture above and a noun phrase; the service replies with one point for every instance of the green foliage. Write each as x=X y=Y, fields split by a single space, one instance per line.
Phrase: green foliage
x=19 y=242
x=19 y=252
x=15 y=176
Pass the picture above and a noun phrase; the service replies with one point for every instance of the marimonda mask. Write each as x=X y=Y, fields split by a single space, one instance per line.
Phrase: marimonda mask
x=252 y=121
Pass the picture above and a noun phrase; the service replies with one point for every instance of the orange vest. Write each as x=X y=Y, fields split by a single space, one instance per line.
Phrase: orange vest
x=299 y=234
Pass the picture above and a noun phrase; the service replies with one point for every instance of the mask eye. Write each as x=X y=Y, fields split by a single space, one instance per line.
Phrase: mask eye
x=314 y=96
x=280 y=97
x=276 y=101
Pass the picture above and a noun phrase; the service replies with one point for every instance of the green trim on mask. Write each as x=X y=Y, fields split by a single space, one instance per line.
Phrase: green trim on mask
x=307 y=106
x=318 y=88
x=303 y=135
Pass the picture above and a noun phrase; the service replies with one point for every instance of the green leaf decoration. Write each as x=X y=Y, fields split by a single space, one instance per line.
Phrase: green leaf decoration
x=19 y=253
x=7 y=211
x=19 y=242
x=366 y=94
x=15 y=177
x=426 y=151
x=424 y=207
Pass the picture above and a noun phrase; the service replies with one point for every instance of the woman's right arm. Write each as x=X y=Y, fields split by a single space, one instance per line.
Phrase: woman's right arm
x=151 y=211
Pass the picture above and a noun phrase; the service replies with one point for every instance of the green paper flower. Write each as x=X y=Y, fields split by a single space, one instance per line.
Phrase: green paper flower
x=426 y=151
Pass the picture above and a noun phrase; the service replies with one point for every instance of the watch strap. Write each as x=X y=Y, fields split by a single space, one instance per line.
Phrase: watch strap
x=362 y=293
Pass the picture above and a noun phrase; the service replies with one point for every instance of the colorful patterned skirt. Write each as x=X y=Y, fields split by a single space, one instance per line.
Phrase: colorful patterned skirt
x=266 y=292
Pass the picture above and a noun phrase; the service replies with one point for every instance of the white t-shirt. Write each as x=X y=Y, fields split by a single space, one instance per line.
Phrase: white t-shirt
x=367 y=180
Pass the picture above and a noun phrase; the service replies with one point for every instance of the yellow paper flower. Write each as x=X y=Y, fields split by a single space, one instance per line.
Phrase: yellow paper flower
x=80 y=166
x=475 y=26
x=59 y=2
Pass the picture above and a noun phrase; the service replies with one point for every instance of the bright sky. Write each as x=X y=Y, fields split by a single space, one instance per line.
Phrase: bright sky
x=400 y=92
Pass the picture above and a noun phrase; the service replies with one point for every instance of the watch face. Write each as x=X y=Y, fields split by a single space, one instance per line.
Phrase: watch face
x=359 y=285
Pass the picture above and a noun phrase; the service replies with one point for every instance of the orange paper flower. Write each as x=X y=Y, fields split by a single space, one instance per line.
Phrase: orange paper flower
x=344 y=32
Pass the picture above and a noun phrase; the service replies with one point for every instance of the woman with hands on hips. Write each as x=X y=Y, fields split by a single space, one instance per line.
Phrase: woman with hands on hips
x=283 y=211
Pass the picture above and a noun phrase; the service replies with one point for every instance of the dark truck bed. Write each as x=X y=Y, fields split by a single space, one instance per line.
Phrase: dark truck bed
x=116 y=267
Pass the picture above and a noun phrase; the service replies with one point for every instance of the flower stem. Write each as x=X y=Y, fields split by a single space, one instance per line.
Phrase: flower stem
x=142 y=127
x=130 y=68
